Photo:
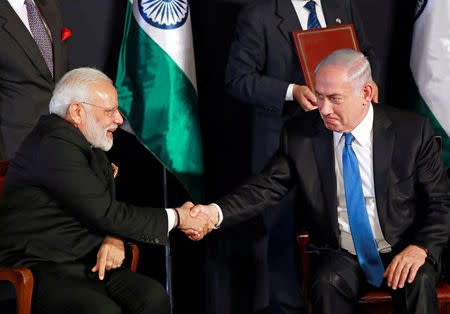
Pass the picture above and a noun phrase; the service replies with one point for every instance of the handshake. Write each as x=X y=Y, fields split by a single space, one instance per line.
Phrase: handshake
x=197 y=220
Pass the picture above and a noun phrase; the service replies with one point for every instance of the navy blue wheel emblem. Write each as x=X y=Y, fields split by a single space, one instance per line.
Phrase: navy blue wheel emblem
x=164 y=14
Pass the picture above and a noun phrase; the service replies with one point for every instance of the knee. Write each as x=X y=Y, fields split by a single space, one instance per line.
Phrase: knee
x=326 y=284
x=155 y=301
x=424 y=280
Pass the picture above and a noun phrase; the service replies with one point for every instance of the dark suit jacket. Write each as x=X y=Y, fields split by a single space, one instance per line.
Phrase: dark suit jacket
x=263 y=62
x=411 y=185
x=58 y=201
x=26 y=84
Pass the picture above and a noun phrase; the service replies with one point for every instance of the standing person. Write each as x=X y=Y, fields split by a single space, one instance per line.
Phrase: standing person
x=263 y=70
x=32 y=58
x=375 y=193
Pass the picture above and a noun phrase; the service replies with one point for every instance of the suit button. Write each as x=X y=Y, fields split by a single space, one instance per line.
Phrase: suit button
x=156 y=240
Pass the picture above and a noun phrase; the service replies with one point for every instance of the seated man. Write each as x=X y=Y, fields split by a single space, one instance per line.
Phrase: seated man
x=374 y=191
x=58 y=206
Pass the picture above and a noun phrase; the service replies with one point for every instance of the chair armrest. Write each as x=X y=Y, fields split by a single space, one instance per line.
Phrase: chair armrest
x=134 y=256
x=23 y=280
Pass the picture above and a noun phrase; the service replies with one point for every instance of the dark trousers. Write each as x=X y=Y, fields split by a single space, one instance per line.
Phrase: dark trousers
x=73 y=288
x=336 y=282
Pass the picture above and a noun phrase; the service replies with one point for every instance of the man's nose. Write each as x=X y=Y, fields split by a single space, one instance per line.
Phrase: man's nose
x=324 y=107
x=118 y=118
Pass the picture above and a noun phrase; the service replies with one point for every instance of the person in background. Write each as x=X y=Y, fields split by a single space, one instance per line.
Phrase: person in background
x=33 y=57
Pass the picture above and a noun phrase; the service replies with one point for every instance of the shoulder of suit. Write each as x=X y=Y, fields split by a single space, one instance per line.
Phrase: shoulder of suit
x=54 y=127
x=399 y=116
x=260 y=6
x=306 y=123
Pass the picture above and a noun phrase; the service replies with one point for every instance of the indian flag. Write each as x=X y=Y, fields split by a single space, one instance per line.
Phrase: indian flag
x=430 y=66
x=157 y=88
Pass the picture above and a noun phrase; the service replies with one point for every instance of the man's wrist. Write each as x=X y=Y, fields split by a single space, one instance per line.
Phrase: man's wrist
x=219 y=216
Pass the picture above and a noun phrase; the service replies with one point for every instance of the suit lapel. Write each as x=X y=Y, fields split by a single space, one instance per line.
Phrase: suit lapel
x=12 y=24
x=383 y=145
x=332 y=12
x=288 y=18
x=324 y=153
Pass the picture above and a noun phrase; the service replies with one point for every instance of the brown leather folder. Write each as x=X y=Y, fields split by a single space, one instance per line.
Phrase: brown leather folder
x=315 y=44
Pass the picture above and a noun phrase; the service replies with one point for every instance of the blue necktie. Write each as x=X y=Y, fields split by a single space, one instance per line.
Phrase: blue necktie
x=313 y=22
x=365 y=246
x=40 y=34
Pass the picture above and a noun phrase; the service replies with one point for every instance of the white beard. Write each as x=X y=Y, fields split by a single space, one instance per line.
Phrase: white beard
x=96 y=134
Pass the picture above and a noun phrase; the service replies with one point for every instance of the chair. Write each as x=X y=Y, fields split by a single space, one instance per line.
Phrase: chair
x=22 y=278
x=375 y=301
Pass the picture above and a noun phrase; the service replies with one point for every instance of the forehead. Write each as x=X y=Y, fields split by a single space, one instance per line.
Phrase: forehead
x=331 y=79
x=103 y=90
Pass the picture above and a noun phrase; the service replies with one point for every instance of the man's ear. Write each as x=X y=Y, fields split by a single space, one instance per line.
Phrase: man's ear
x=74 y=113
x=367 y=93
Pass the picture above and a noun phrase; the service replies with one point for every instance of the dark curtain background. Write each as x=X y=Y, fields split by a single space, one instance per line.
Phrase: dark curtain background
x=97 y=28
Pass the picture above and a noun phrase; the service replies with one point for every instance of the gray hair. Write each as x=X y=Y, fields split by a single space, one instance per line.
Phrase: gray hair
x=356 y=64
x=74 y=87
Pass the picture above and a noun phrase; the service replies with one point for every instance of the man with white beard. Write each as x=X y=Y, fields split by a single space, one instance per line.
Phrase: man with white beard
x=58 y=206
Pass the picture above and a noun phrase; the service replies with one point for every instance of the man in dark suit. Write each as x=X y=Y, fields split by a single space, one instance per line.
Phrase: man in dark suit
x=58 y=206
x=375 y=195
x=263 y=70
x=27 y=73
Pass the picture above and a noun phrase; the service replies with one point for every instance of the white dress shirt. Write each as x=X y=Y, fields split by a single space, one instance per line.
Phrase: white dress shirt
x=363 y=148
x=303 y=14
x=21 y=10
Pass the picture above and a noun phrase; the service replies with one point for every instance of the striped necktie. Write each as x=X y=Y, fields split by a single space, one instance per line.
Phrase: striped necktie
x=40 y=34
x=313 y=22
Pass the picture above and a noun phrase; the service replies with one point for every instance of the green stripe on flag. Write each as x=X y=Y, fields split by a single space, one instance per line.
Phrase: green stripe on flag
x=160 y=103
x=419 y=106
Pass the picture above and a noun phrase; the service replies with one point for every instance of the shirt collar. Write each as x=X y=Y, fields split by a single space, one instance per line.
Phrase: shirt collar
x=16 y=4
x=362 y=132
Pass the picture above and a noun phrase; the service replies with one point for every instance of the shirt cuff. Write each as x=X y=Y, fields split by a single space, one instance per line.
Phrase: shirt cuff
x=219 y=210
x=170 y=219
x=290 y=92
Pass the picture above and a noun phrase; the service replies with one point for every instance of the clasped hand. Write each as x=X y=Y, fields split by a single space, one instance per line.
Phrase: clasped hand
x=197 y=221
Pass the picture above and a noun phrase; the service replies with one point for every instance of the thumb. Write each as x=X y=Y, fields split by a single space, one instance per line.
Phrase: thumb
x=195 y=211
x=188 y=205
x=95 y=268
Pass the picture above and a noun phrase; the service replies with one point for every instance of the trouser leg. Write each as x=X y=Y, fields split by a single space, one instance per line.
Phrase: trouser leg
x=66 y=289
x=335 y=282
x=136 y=293
x=418 y=297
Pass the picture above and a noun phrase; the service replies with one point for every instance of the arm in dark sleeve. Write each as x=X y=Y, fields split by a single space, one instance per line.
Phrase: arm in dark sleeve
x=364 y=44
x=245 y=77
x=260 y=191
x=432 y=179
x=66 y=173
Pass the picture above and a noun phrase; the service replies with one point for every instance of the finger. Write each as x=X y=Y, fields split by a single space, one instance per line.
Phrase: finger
x=101 y=270
x=309 y=95
x=391 y=272
x=397 y=274
x=404 y=275
x=375 y=98
x=306 y=104
x=413 y=272
x=95 y=268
